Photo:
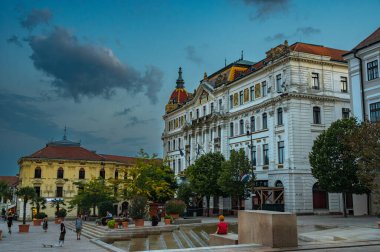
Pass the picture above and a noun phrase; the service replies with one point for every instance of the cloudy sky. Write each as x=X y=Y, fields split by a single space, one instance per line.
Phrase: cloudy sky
x=105 y=69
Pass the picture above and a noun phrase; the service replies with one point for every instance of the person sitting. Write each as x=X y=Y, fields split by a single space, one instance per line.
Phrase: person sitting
x=107 y=218
x=222 y=226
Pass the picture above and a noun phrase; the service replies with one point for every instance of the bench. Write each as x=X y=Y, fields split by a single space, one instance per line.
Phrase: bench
x=227 y=239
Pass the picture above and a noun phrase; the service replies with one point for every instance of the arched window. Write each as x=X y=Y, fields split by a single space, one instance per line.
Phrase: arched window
x=241 y=126
x=102 y=173
x=116 y=174
x=60 y=173
x=316 y=115
x=279 y=116
x=82 y=173
x=253 y=128
x=37 y=172
x=278 y=184
x=265 y=121
x=231 y=129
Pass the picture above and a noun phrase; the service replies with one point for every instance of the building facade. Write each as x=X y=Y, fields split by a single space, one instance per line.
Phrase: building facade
x=273 y=109
x=54 y=169
x=364 y=77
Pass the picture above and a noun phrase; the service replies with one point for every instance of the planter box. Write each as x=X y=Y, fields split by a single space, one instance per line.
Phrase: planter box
x=139 y=222
x=125 y=224
x=167 y=221
x=174 y=215
x=23 y=228
x=37 y=222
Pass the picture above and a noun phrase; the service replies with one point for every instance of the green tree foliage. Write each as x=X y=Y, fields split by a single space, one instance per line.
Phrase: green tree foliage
x=26 y=193
x=39 y=202
x=334 y=163
x=91 y=194
x=56 y=203
x=185 y=192
x=149 y=177
x=230 y=180
x=5 y=191
x=203 y=175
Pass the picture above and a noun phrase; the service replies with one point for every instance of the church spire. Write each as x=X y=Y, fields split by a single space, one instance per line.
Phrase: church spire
x=180 y=82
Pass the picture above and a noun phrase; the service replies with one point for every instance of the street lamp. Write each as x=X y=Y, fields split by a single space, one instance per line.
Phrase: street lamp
x=249 y=133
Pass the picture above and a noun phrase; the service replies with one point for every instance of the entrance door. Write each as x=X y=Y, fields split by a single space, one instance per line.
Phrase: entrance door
x=320 y=198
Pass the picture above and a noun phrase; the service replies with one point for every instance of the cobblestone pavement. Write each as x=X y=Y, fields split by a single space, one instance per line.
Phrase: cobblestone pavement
x=33 y=240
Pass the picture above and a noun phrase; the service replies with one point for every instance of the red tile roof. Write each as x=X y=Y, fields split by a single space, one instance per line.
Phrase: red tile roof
x=121 y=159
x=11 y=180
x=335 y=54
x=66 y=152
x=371 y=39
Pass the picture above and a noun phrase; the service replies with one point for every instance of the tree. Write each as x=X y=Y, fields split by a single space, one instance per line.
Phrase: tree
x=26 y=193
x=91 y=194
x=185 y=192
x=56 y=203
x=233 y=170
x=203 y=175
x=334 y=163
x=5 y=191
x=39 y=202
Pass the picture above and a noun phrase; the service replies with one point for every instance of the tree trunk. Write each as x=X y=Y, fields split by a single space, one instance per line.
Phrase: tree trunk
x=344 y=205
x=24 y=212
x=208 y=205
x=94 y=209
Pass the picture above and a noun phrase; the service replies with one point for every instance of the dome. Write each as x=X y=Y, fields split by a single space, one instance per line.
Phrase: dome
x=179 y=95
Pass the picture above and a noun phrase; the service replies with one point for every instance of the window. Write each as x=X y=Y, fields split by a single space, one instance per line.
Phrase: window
x=60 y=173
x=37 y=189
x=241 y=98
x=343 y=84
x=220 y=104
x=168 y=145
x=211 y=107
x=374 y=110
x=59 y=192
x=231 y=101
x=252 y=93
x=82 y=173
x=204 y=110
x=253 y=126
x=280 y=152
x=266 y=154
x=116 y=174
x=37 y=172
x=173 y=144
x=174 y=165
x=253 y=155
x=315 y=81
x=279 y=116
x=197 y=113
x=191 y=115
x=102 y=173
x=231 y=129
x=265 y=121
x=219 y=131
x=179 y=165
x=372 y=70
x=345 y=113
x=179 y=143
x=316 y=115
x=278 y=83
x=241 y=127
x=264 y=88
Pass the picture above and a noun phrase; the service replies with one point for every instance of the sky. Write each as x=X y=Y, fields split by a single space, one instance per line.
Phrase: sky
x=105 y=69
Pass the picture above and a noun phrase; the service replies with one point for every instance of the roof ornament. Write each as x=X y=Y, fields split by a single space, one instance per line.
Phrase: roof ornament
x=180 y=82
x=242 y=55
x=286 y=43
x=64 y=134
x=205 y=76
x=225 y=62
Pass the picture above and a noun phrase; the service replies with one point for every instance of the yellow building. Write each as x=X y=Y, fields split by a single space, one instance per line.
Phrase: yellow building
x=54 y=169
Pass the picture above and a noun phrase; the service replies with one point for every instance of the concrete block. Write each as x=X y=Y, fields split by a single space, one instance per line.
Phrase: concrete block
x=269 y=228
x=219 y=240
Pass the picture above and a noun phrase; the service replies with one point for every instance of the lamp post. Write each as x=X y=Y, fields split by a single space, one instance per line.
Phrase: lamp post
x=249 y=133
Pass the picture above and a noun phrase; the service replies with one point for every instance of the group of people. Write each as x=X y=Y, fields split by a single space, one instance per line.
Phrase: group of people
x=78 y=230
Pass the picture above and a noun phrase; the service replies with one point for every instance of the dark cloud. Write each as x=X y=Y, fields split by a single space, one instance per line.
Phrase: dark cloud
x=307 y=31
x=36 y=17
x=14 y=40
x=192 y=55
x=126 y=111
x=80 y=70
x=278 y=36
x=134 y=120
x=134 y=141
x=266 y=8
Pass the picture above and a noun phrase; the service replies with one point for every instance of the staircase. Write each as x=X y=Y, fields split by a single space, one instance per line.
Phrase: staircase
x=89 y=230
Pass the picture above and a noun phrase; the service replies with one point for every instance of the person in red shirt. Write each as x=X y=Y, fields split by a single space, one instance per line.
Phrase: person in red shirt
x=222 y=226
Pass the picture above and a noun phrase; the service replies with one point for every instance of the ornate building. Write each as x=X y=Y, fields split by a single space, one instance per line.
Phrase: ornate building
x=273 y=109
x=54 y=169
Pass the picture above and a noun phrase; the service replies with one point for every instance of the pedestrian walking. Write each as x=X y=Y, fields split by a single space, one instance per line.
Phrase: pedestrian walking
x=10 y=221
x=78 y=226
x=45 y=224
x=62 y=234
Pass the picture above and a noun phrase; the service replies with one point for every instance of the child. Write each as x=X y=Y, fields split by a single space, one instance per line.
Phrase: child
x=45 y=224
x=222 y=226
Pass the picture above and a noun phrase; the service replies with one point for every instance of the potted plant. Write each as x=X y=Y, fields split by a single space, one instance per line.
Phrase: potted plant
x=111 y=224
x=154 y=220
x=57 y=203
x=61 y=214
x=138 y=209
x=38 y=218
x=125 y=223
x=26 y=193
x=167 y=219
x=175 y=208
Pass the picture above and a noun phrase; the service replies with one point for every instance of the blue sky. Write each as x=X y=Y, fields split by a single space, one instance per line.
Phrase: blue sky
x=106 y=69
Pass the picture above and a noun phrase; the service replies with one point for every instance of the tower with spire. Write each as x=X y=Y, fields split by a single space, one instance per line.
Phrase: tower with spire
x=179 y=96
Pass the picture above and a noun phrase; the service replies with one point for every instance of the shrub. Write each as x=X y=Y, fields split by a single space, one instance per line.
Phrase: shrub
x=175 y=206
x=40 y=215
x=61 y=213
x=138 y=207
x=111 y=224
x=104 y=207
